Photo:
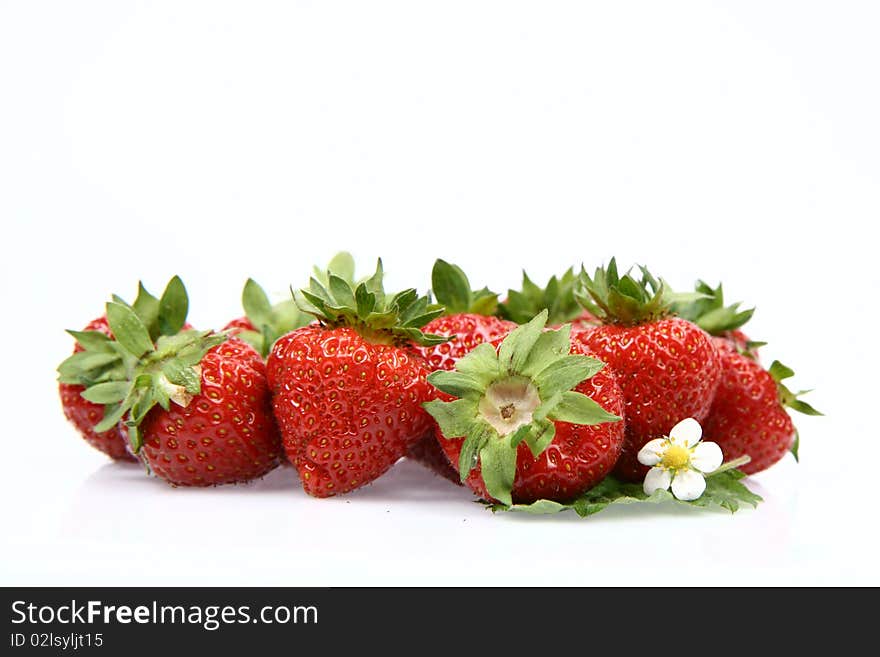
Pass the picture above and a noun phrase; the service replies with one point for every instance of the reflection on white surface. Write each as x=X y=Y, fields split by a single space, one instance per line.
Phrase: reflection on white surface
x=119 y=502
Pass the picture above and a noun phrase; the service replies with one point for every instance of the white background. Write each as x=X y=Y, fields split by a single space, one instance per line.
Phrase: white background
x=729 y=141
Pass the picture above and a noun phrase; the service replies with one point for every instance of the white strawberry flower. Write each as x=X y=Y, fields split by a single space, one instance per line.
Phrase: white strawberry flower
x=680 y=460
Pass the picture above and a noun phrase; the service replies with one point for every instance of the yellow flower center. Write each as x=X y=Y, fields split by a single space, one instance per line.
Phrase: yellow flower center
x=676 y=457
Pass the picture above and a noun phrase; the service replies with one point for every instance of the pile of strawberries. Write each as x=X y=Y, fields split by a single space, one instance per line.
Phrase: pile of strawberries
x=541 y=396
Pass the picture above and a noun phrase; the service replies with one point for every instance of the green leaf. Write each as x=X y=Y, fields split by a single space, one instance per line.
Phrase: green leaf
x=477 y=437
x=484 y=303
x=779 y=371
x=481 y=364
x=91 y=340
x=146 y=306
x=723 y=491
x=558 y=298
x=498 y=468
x=549 y=346
x=256 y=304
x=182 y=375
x=110 y=392
x=565 y=373
x=128 y=329
x=366 y=308
x=84 y=366
x=577 y=408
x=514 y=350
x=795 y=446
x=173 y=307
x=707 y=310
x=624 y=300
x=455 y=418
x=540 y=436
x=342 y=265
x=456 y=384
x=375 y=282
x=341 y=292
x=365 y=300
x=803 y=407
x=112 y=416
x=135 y=438
x=451 y=287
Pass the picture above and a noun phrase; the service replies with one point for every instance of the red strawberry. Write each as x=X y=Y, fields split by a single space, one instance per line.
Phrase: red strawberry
x=534 y=419
x=347 y=393
x=748 y=416
x=84 y=415
x=195 y=406
x=226 y=433
x=667 y=367
x=466 y=331
x=238 y=325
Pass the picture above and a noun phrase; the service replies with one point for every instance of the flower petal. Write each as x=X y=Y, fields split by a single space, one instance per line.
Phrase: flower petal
x=687 y=432
x=707 y=457
x=652 y=452
x=688 y=485
x=656 y=479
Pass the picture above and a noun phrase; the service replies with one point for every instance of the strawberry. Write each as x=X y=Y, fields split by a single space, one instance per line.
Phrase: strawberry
x=226 y=433
x=748 y=416
x=195 y=406
x=557 y=298
x=536 y=418
x=83 y=414
x=347 y=392
x=467 y=323
x=666 y=366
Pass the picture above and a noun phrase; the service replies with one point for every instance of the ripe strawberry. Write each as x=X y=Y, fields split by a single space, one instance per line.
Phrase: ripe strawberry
x=535 y=419
x=347 y=393
x=195 y=407
x=466 y=331
x=84 y=415
x=666 y=366
x=467 y=322
x=748 y=416
x=226 y=433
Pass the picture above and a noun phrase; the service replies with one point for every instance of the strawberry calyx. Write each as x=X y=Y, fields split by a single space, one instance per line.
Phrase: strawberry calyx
x=453 y=291
x=710 y=313
x=779 y=372
x=512 y=395
x=270 y=321
x=787 y=398
x=134 y=371
x=557 y=297
x=627 y=300
x=365 y=307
